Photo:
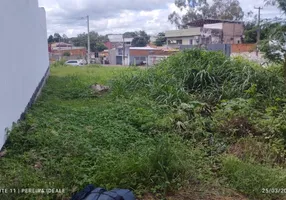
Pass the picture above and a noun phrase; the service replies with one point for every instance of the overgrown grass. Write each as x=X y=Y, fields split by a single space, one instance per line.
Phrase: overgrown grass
x=208 y=75
x=216 y=101
x=196 y=119
x=71 y=138
x=257 y=181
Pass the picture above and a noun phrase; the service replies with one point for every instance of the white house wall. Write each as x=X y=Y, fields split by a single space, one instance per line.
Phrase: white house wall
x=214 y=26
x=195 y=39
x=24 y=57
x=183 y=32
x=185 y=41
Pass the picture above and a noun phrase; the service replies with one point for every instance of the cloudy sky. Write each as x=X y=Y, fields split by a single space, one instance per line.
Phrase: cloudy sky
x=118 y=16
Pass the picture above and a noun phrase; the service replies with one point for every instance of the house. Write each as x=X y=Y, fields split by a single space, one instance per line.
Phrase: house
x=119 y=51
x=222 y=31
x=190 y=36
x=21 y=79
x=108 y=45
x=148 y=55
x=57 y=51
x=73 y=51
x=204 y=32
x=118 y=42
x=59 y=45
x=104 y=53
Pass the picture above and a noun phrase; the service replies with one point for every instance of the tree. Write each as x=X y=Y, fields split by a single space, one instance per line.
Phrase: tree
x=57 y=37
x=227 y=10
x=250 y=28
x=141 y=38
x=139 y=41
x=100 y=47
x=144 y=35
x=250 y=32
x=96 y=41
x=65 y=38
x=51 y=39
x=129 y=34
x=161 y=39
x=279 y=3
x=274 y=46
x=66 y=53
x=200 y=9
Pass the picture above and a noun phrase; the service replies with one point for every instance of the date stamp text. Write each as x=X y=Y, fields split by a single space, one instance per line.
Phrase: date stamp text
x=273 y=190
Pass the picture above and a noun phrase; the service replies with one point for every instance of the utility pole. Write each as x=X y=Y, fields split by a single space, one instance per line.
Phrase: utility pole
x=123 y=58
x=258 y=29
x=88 y=41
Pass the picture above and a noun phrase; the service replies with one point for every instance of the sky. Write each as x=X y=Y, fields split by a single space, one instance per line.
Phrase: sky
x=119 y=16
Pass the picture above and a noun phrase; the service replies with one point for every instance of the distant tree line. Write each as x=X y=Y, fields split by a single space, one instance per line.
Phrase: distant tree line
x=96 y=41
x=140 y=39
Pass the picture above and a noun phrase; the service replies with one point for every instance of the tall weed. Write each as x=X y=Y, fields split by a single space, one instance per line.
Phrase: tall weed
x=210 y=75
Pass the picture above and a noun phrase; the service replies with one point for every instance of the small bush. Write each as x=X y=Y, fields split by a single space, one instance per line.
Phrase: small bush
x=209 y=75
x=56 y=64
x=66 y=53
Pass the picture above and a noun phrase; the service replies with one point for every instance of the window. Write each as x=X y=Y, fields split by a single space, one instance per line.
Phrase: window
x=140 y=58
x=175 y=41
x=72 y=61
x=120 y=52
x=179 y=42
x=191 y=41
x=172 y=41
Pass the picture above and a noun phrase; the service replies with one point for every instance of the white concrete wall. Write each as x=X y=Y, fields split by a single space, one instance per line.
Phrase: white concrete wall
x=214 y=26
x=23 y=55
x=185 y=41
x=184 y=32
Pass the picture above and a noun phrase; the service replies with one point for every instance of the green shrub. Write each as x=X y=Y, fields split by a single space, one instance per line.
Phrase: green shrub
x=66 y=53
x=56 y=64
x=209 y=75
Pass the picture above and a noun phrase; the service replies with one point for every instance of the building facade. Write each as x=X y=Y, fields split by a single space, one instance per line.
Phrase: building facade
x=148 y=56
x=119 y=51
x=204 y=32
x=190 y=36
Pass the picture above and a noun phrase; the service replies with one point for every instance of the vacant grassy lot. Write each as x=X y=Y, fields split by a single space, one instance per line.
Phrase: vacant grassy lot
x=198 y=123
x=72 y=138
